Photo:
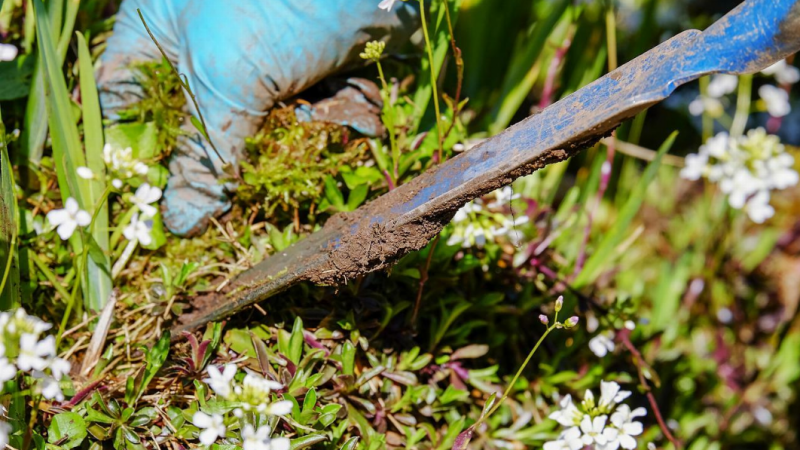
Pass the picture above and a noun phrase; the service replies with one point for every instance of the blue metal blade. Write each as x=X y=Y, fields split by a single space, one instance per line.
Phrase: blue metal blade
x=753 y=36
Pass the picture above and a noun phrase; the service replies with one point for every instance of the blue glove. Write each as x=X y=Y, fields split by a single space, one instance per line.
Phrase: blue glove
x=240 y=59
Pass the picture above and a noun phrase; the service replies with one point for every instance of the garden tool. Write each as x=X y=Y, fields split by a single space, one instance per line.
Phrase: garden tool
x=753 y=36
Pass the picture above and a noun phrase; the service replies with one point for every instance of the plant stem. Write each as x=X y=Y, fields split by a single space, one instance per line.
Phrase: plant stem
x=708 y=121
x=518 y=374
x=742 y=105
x=185 y=85
x=389 y=108
x=434 y=76
x=78 y=277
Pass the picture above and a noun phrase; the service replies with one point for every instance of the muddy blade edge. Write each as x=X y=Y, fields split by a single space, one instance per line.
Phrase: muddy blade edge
x=753 y=36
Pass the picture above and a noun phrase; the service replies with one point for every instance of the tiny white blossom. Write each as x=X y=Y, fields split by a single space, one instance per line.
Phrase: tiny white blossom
x=569 y=440
x=5 y=430
x=595 y=431
x=602 y=344
x=7 y=370
x=702 y=104
x=85 y=173
x=213 y=427
x=220 y=382
x=33 y=353
x=758 y=207
x=628 y=429
x=722 y=84
x=144 y=196
x=59 y=367
x=783 y=72
x=569 y=415
x=611 y=394
x=139 y=230
x=386 y=4
x=8 y=52
x=68 y=219
x=259 y=439
x=776 y=100
x=50 y=388
x=117 y=183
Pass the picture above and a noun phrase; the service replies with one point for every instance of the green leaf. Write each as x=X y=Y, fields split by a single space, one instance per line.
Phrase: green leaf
x=307 y=441
x=68 y=428
x=333 y=194
x=296 y=341
x=350 y=444
x=199 y=125
x=15 y=77
x=605 y=250
x=357 y=197
x=155 y=359
x=9 y=230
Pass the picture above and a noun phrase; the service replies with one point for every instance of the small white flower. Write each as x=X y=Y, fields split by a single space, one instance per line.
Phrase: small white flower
x=144 y=196
x=117 y=183
x=7 y=53
x=783 y=72
x=5 y=430
x=139 y=230
x=7 y=370
x=141 y=168
x=611 y=394
x=602 y=344
x=35 y=354
x=50 y=388
x=69 y=218
x=386 y=4
x=253 y=439
x=623 y=420
x=569 y=415
x=213 y=427
x=722 y=84
x=702 y=104
x=85 y=173
x=758 y=207
x=59 y=367
x=220 y=382
x=776 y=99
x=569 y=440
x=595 y=431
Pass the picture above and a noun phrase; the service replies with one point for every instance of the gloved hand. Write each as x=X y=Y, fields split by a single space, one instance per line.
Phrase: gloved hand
x=241 y=58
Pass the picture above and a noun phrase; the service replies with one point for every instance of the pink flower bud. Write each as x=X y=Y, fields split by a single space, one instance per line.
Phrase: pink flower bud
x=559 y=303
x=571 y=322
x=543 y=319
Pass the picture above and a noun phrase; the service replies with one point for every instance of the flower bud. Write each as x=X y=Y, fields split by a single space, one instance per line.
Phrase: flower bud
x=559 y=303
x=571 y=322
x=543 y=319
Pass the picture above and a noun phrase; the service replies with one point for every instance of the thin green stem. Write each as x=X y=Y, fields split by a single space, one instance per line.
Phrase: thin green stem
x=743 y=98
x=519 y=373
x=185 y=85
x=117 y=234
x=389 y=108
x=71 y=303
x=708 y=121
x=434 y=76
x=49 y=275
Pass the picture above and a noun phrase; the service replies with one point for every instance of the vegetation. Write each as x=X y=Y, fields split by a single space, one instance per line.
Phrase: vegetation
x=628 y=297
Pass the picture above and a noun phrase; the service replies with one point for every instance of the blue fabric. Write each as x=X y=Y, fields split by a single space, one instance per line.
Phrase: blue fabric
x=240 y=58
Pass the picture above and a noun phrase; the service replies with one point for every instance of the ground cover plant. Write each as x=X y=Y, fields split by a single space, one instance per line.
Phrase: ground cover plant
x=641 y=295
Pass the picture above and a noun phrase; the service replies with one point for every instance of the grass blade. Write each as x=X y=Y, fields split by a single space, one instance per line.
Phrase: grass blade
x=9 y=268
x=98 y=274
x=604 y=252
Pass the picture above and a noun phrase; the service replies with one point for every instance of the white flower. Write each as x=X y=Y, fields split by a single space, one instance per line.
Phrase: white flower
x=611 y=394
x=386 y=4
x=59 y=367
x=702 y=104
x=254 y=394
x=121 y=164
x=601 y=344
x=5 y=430
x=783 y=72
x=595 y=431
x=253 y=439
x=117 y=183
x=7 y=53
x=623 y=421
x=35 y=354
x=758 y=207
x=220 y=382
x=213 y=427
x=69 y=218
x=782 y=173
x=144 y=196
x=7 y=370
x=85 y=173
x=569 y=415
x=51 y=390
x=503 y=196
x=776 y=99
x=569 y=440
x=139 y=230
x=722 y=84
